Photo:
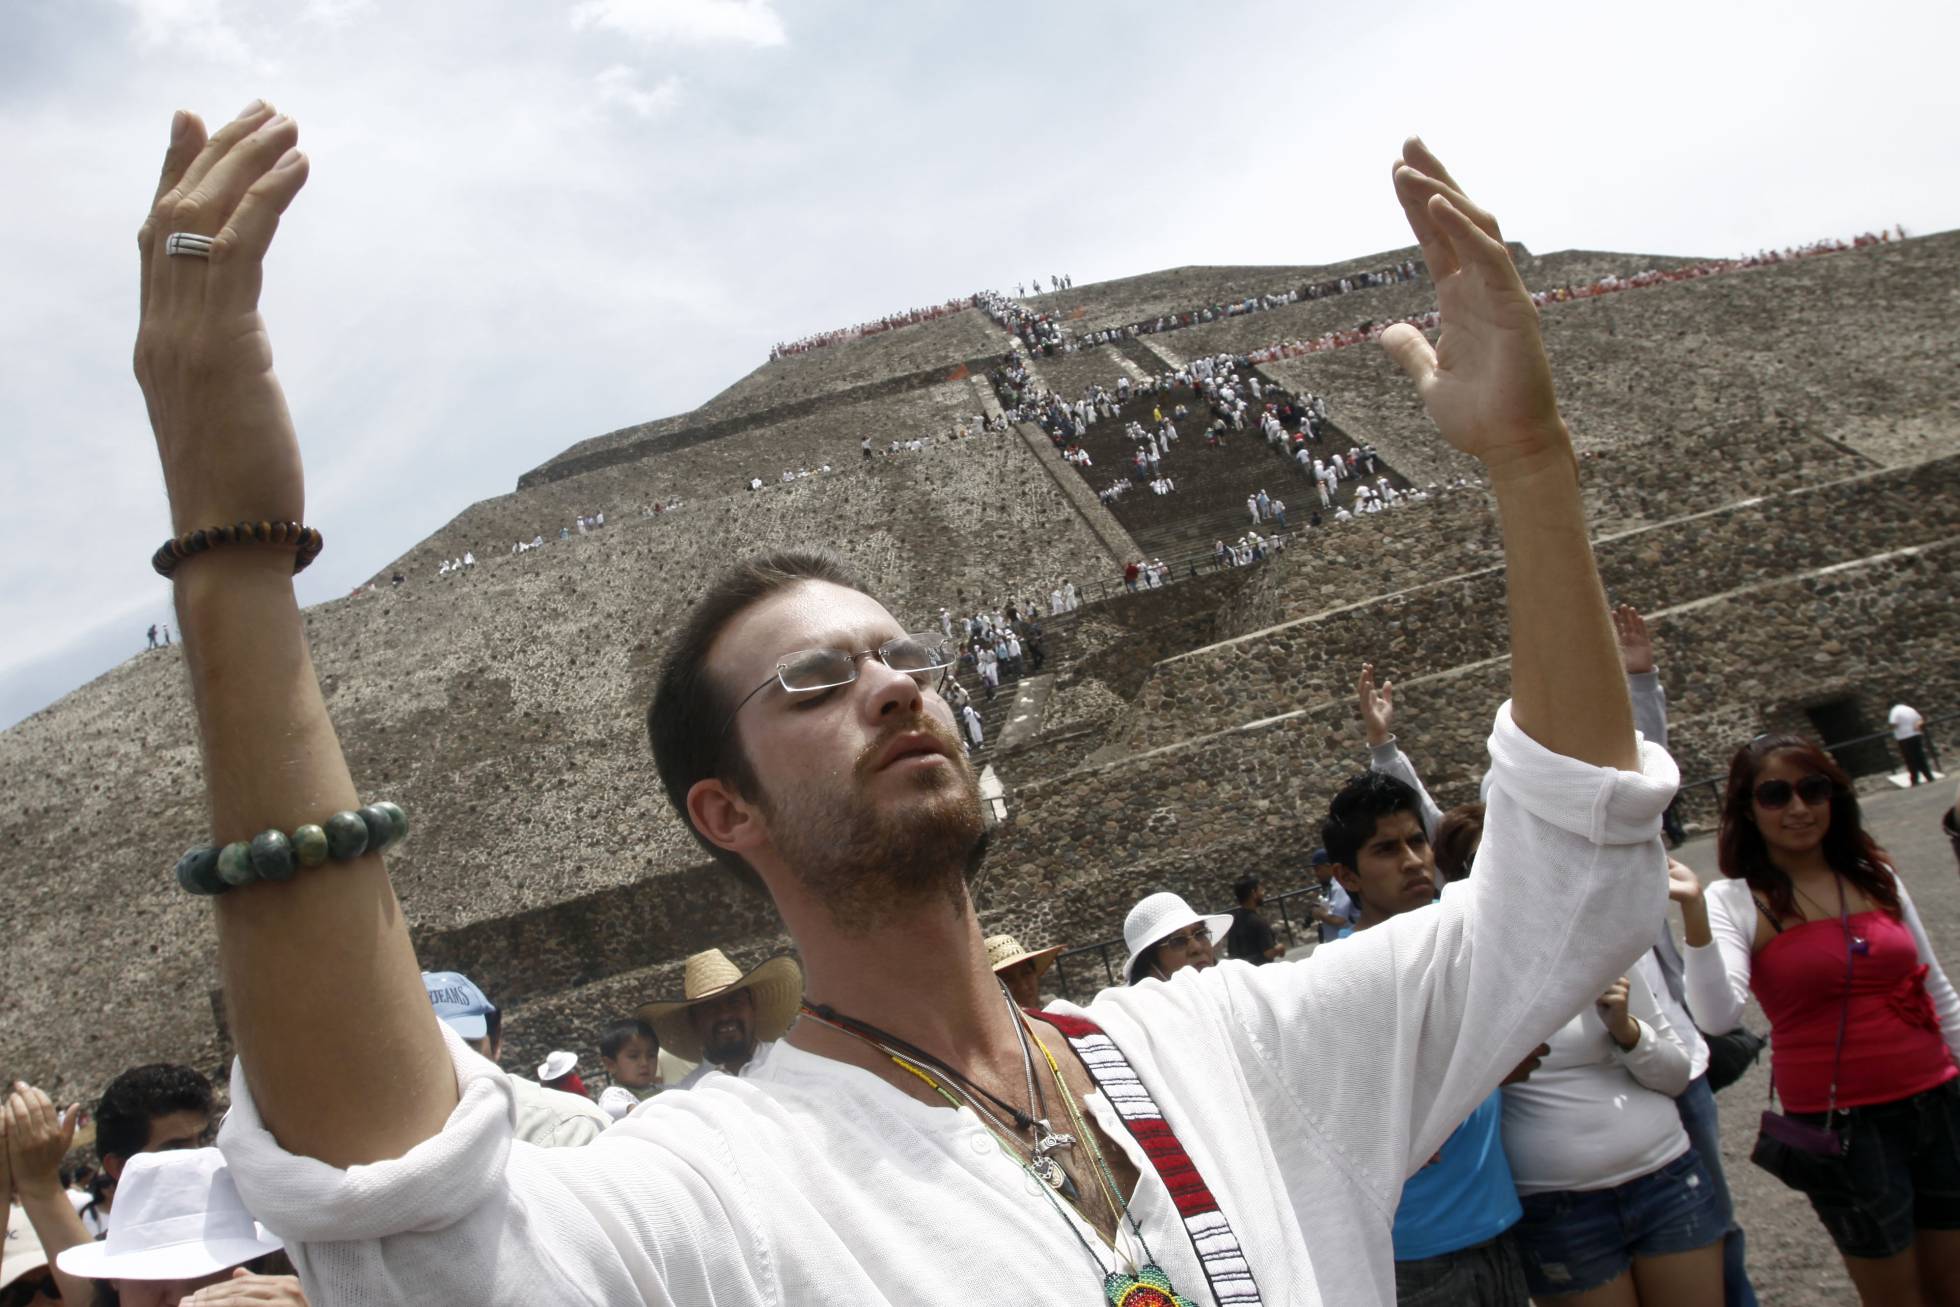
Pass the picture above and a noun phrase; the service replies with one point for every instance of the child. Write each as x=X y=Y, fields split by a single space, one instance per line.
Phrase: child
x=631 y=1053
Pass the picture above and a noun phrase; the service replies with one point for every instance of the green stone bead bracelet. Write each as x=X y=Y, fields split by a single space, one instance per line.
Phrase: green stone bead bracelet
x=274 y=855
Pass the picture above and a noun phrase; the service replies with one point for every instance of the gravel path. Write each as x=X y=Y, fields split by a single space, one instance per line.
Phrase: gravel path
x=1791 y=1261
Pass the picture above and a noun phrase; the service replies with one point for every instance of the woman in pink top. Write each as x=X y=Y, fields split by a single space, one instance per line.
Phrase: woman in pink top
x=1812 y=918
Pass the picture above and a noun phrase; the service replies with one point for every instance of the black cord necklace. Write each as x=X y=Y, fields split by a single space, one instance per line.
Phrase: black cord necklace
x=1044 y=1138
x=851 y=1025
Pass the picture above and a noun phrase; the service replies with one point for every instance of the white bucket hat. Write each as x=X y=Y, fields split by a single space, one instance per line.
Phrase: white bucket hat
x=1159 y=915
x=178 y=1217
x=557 y=1065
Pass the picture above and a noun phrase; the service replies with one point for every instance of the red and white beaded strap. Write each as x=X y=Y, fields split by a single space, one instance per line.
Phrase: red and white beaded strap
x=1224 y=1262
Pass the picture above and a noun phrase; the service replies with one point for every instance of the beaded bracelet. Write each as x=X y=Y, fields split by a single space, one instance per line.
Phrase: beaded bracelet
x=271 y=855
x=305 y=539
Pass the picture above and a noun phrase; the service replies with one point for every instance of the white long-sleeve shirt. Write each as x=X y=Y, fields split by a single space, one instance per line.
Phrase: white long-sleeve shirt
x=1303 y=1093
x=1594 y=1115
x=1718 y=972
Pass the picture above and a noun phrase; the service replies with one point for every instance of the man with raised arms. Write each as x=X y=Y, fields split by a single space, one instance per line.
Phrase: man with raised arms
x=1235 y=1135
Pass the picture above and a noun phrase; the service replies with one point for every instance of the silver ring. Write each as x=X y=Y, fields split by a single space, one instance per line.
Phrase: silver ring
x=187 y=243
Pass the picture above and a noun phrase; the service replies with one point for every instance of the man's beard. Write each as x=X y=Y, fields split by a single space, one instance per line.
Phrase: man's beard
x=726 y=1051
x=868 y=864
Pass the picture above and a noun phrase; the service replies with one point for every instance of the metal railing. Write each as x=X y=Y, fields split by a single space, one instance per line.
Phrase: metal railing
x=1713 y=785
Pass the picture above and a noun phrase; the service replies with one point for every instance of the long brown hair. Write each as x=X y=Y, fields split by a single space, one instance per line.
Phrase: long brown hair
x=1851 y=852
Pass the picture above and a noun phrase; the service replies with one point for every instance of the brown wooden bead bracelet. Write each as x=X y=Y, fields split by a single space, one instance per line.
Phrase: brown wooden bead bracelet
x=306 y=541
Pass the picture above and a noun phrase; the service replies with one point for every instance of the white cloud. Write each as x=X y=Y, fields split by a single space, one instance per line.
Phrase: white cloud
x=195 y=25
x=620 y=86
x=685 y=22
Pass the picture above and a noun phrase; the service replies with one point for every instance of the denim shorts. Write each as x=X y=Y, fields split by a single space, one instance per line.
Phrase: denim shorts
x=1902 y=1172
x=1579 y=1239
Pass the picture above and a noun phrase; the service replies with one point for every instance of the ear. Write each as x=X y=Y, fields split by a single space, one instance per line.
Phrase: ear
x=724 y=817
x=1349 y=878
x=113 y=1165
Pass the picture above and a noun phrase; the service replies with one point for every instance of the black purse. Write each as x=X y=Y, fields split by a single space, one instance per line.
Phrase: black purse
x=1812 y=1159
x=1730 y=1056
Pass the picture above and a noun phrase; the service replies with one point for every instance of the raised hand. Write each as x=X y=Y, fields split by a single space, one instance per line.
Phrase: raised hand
x=203 y=358
x=1683 y=886
x=1377 y=706
x=1636 y=645
x=1486 y=382
x=38 y=1137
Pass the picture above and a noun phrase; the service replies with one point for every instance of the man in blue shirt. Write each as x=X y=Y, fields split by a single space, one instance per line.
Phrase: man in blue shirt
x=1452 y=1244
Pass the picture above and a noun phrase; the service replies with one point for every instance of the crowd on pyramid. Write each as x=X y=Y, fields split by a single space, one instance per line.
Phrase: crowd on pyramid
x=877 y=326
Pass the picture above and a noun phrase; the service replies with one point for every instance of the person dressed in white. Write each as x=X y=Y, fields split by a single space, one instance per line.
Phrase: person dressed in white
x=1613 y=1192
x=379 y=1147
x=975 y=735
x=1909 y=730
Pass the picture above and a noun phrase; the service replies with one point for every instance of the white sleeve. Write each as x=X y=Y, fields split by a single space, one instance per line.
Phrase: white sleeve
x=1718 y=972
x=1649 y=699
x=472 y=1215
x=1388 y=759
x=1384 y=1046
x=1938 y=988
x=1659 y=1060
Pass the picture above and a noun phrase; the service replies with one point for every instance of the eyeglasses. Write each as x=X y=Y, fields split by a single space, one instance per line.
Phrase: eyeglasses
x=1184 y=939
x=1812 y=789
x=918 y=655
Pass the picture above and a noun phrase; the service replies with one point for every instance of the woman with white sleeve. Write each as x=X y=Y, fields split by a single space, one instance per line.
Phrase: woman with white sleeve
x=1618 y=1208
x=1864 y=1029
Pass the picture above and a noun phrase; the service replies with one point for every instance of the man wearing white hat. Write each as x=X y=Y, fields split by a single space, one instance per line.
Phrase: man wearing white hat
x=181 y=1228
x=1233 y=1135
x=1018 y=969
x=727 y=1019
x=1165 y=936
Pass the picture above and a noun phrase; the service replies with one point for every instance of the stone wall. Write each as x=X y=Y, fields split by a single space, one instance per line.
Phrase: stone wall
x=703 y=471
x=801 y=384
x=1681 y=395
x=1079 y=849
x=503 y=708
x=1442 y=624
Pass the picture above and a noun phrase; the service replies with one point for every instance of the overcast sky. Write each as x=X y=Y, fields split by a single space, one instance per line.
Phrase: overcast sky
x=532 y=221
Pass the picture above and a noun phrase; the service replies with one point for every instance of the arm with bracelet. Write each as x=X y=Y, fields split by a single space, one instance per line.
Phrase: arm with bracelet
x=334 y=1030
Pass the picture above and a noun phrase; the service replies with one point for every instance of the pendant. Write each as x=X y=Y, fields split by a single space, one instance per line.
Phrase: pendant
x=1860 y=945
x=1047 y=1141
x=1052 y=1175
x=1148 y=1287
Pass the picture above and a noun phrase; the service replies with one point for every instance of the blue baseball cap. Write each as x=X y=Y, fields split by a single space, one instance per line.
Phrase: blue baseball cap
x=458 y=1002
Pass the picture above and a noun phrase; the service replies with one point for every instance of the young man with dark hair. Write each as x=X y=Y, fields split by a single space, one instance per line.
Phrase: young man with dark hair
x=151 y=1109
x=1450 y=1238
x=1251 y=936
x=1283 y=1102
x=1380 y=851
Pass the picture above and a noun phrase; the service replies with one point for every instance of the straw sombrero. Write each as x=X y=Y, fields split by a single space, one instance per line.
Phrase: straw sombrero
x=778 y=988
x=1004 y=951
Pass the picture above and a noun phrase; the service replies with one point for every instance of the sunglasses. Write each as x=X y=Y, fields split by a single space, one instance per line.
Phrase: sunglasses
x=1813 y=790
x=1185 y=939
